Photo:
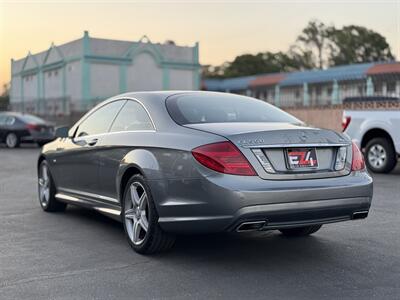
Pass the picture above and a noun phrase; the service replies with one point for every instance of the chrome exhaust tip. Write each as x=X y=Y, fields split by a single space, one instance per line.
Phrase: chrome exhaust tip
x=360 y=215
x=250 y=226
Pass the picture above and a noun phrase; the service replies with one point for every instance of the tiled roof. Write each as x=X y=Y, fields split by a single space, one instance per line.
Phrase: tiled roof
x=269 y=79
x=384 y=68
x=339 y=73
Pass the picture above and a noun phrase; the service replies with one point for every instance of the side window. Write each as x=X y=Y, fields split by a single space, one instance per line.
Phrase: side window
x=3 y=120
x=132 y=117
x=100 y=121
x=10 y=121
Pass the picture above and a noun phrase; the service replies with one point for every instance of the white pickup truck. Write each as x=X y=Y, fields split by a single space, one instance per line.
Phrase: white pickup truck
x=373 y=123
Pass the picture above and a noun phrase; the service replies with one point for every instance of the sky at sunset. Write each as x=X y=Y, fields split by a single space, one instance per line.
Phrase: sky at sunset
x=223 y=28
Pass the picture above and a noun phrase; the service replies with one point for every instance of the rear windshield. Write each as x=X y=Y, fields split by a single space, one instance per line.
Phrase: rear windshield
x=32 y=119
x=219 y=108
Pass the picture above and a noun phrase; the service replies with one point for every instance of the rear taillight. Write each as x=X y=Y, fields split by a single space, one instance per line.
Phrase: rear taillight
x=223 y=157
x=33 y=127
x=345 y=122
x=357 y=163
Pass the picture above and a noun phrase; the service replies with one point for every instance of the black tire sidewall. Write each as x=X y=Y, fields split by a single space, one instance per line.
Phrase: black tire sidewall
x=390 y=162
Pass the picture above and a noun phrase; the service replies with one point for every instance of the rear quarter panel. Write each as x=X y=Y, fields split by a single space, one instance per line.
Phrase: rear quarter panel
x=158 y=155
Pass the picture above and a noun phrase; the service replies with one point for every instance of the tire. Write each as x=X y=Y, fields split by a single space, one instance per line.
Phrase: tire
x=12 y=140
x=300 y=231
x=139 y=212
x=380 y=155
x=47 y=190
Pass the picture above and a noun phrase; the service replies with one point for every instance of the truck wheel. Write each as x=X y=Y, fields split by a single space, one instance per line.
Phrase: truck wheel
x=380 y=155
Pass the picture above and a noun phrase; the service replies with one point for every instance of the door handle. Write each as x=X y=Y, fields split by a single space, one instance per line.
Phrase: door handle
x=93 y=142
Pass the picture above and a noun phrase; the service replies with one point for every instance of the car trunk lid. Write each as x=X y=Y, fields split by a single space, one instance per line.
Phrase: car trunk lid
x=286 y=151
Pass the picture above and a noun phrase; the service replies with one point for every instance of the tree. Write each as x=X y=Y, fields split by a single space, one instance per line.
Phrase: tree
x=5 y=97
x=313 y=40
x=260 y=63
x=317 y=46
x=6 y=90
x=356 y=44
x=248 y=64
x=300 y=59
x=209 y=71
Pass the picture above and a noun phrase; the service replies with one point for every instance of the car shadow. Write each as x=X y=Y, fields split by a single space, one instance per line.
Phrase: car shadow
x=257 y=248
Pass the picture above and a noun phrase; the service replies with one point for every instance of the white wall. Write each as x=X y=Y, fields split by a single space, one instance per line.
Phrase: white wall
x=104 y=80
x=15 y=92
x=181 y=79
x=53 y=87
x=30 y=85
x=73 y=74
x=144 y=74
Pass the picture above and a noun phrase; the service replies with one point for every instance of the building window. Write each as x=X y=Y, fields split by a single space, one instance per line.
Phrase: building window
x=391 y=87
x=49 y=74
x=329 y=91
x=378 y=88
x=55 y=72
x=360 y=90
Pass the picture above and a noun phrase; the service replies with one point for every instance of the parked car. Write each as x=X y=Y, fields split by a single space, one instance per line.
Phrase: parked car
x=17 y=128
x=166 y=163
x=375 y=131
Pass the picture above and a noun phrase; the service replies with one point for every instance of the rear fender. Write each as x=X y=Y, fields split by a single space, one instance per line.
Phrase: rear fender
x=144 y=161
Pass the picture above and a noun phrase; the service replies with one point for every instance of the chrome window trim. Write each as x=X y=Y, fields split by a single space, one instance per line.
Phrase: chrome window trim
x=145 y=109
x=91 y=112
x=81 y=138
x=106 y=102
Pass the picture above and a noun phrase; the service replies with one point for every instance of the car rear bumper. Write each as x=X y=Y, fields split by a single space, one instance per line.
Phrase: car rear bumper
x=223 y=203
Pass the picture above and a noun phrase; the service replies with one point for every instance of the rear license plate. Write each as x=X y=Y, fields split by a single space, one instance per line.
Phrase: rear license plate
x=302 y=158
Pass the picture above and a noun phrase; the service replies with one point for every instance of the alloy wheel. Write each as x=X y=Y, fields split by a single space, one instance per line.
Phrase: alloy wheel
x=377 y=156
x=11 y=140
x=44 y=186
x=136 y=213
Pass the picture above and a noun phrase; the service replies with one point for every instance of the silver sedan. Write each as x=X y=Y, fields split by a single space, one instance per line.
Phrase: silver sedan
x=168 y=163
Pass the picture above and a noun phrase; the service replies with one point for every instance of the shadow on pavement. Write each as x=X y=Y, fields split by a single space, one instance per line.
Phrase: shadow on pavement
x=258 y=248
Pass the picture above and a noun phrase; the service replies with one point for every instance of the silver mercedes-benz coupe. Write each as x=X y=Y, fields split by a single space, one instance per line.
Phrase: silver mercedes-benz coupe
x=168 y=163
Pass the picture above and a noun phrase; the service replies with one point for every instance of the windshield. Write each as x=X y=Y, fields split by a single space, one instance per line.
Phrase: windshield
x=219 y=108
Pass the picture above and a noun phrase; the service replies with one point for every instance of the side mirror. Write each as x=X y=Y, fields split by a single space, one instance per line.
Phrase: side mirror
x=62 y=132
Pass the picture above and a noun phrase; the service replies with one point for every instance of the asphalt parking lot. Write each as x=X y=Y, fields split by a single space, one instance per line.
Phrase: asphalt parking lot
x=80 y=254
